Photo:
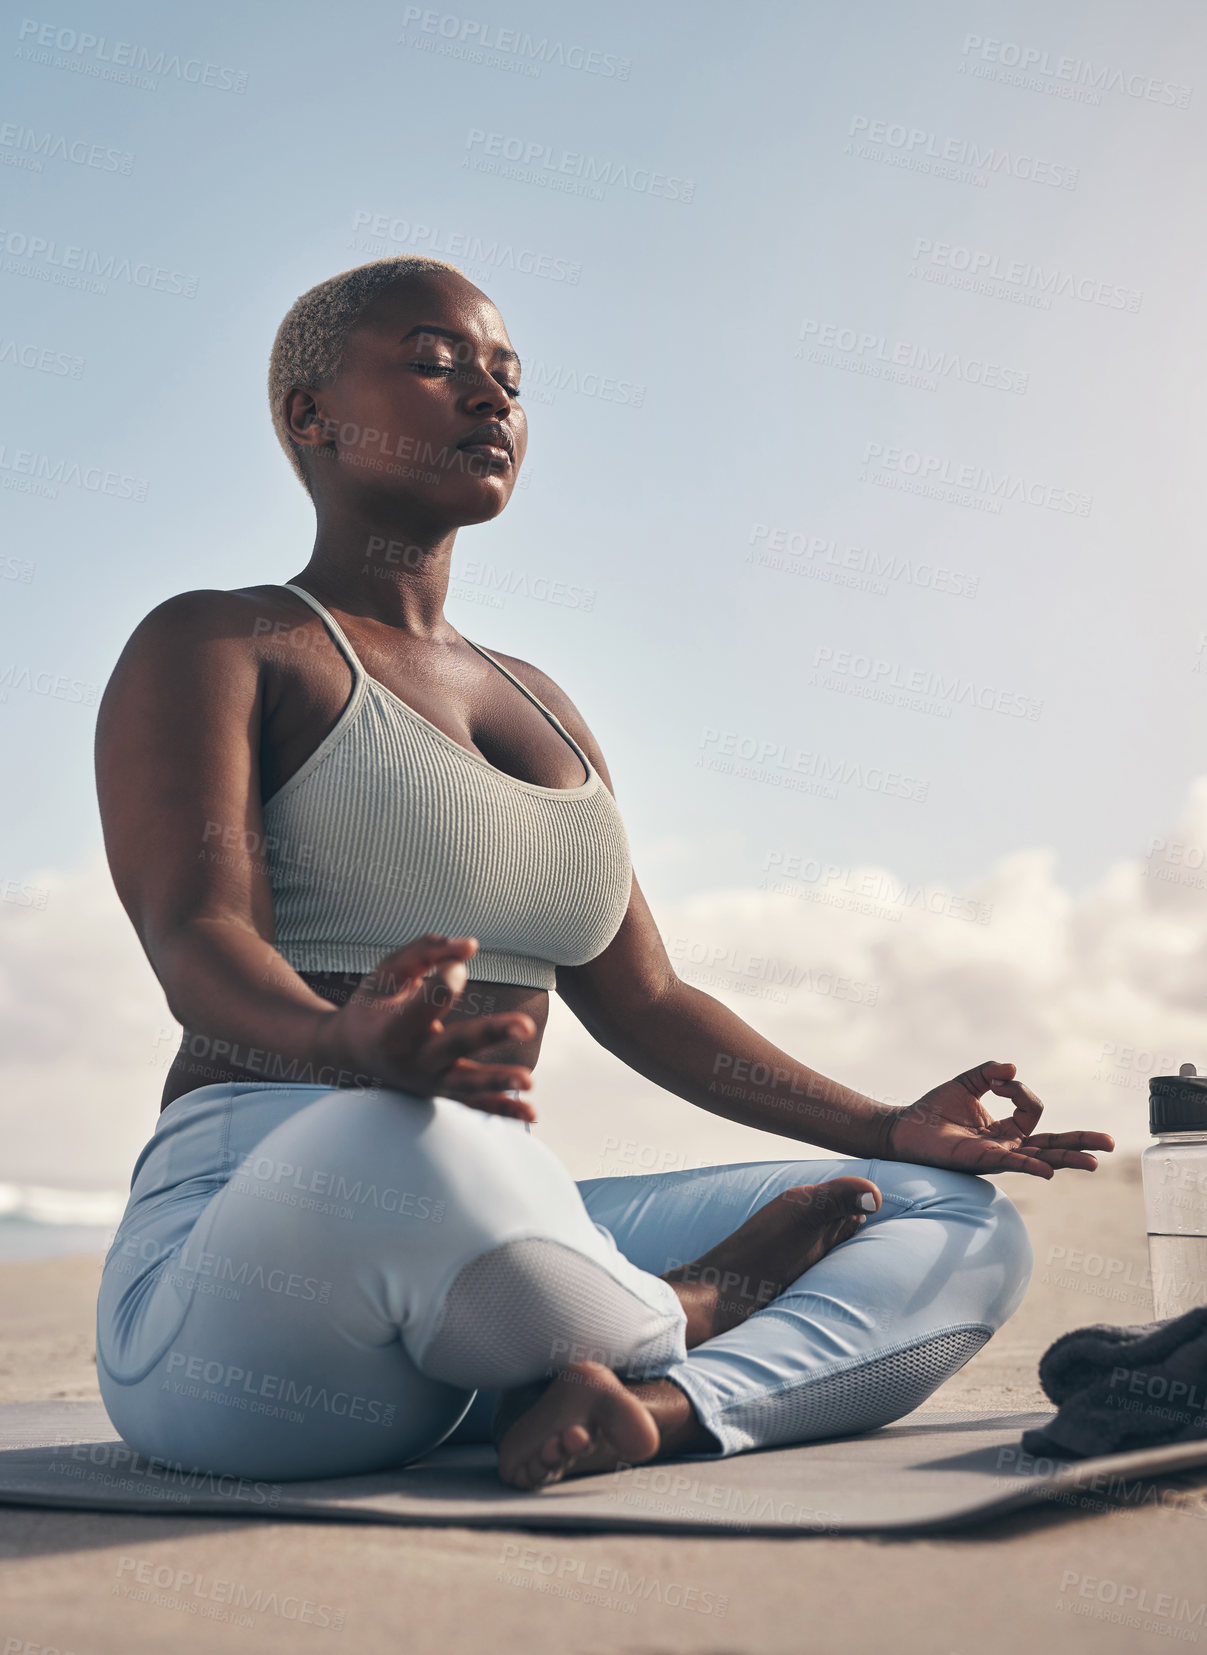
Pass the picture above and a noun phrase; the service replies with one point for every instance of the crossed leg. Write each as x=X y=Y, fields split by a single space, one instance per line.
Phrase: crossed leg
x=803 y=1322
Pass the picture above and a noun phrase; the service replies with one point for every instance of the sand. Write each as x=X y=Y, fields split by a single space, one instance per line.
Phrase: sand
x=1130 y=1578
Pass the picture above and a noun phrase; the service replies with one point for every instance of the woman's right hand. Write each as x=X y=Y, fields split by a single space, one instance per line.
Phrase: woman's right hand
x=392 y=1028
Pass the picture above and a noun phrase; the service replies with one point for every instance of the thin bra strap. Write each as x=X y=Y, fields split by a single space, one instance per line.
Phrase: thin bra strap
x=536 y=701
x=333 y=626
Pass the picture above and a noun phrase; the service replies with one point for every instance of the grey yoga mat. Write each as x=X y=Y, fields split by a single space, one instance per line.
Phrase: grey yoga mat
x=932 y=1470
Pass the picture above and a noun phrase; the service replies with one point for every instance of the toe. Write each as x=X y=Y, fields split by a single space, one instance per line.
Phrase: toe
x=857 y=1194
x=576 y=1439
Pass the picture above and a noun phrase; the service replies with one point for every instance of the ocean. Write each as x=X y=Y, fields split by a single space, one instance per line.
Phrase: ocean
x=37 y=1221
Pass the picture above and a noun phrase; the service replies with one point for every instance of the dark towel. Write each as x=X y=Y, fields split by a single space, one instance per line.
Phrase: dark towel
x=1119 y=1388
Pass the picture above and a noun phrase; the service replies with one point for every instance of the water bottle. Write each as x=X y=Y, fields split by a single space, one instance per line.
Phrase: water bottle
x=1174 y=1169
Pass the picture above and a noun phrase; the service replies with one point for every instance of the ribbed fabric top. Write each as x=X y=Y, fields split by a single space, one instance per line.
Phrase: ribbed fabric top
x=391 y=829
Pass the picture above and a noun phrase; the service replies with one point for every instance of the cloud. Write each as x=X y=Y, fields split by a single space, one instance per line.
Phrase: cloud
x=887 y=986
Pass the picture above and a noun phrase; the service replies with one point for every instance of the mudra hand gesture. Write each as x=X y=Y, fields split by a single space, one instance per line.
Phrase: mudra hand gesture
x=391 y=1027
x=950 y=1127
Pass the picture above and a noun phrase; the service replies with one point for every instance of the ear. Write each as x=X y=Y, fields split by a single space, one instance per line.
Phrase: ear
x=303 y=420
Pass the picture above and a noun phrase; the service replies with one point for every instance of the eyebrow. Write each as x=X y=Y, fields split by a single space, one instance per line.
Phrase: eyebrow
x=457 y=338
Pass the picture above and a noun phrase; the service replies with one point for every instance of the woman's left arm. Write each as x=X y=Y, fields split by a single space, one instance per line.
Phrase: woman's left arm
x=634 y=1003
x=685 y=1041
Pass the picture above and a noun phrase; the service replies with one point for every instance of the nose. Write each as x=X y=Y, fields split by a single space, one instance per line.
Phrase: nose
x=484 y=395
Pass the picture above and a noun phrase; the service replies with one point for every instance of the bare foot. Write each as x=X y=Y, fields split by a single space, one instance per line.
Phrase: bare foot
x=793 y=1232
x=587 y=1420
x=586 y=1409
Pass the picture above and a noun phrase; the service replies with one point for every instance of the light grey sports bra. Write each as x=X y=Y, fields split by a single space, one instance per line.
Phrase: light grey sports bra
x=391 y=829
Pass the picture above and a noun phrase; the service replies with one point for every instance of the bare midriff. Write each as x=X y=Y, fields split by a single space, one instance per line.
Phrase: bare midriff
x=196 y=1064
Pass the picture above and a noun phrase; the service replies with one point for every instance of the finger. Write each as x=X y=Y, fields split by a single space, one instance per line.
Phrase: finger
x=1067 y=1158
x=1027 y=1107
x=995 y=1158
x=1057 y=1154
x=1070 y=1140
x=397 y=972
x=468 y=1076
x=495 y=1103
x=471 y=1034
x=489 y=1087
x=979 y=1080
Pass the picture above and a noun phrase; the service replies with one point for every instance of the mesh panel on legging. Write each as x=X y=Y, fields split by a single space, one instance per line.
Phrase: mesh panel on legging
x=528 y=1308
x=860 y=1397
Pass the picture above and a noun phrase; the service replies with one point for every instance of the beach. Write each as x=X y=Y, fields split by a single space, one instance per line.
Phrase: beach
x=1126 y=1578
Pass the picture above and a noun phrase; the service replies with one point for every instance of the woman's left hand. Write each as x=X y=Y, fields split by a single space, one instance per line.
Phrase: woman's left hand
x=950 y=1127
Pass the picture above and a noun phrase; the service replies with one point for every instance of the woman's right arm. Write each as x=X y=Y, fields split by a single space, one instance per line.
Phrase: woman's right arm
x=178 y=781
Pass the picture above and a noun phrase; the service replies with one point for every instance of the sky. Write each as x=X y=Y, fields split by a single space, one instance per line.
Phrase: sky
x=860 y=519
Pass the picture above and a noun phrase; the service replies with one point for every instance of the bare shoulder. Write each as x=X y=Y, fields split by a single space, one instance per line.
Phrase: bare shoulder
x=209 y=642
x=209 y=614
x=206 y=648
x=546 y=689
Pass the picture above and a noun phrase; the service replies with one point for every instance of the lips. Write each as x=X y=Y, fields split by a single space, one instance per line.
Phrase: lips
x=491 y=435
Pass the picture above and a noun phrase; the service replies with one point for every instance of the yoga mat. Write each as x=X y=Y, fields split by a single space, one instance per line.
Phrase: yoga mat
x=932 y=1470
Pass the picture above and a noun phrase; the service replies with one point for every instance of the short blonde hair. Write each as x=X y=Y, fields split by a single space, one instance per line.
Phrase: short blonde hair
x=310 y=342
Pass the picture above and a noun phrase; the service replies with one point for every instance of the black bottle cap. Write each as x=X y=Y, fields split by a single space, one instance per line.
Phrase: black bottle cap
x=1177 y=1103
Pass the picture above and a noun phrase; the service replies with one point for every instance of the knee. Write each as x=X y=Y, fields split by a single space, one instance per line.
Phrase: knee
x=993 y=1237
x=1009 y=1245
x=1000 y=1249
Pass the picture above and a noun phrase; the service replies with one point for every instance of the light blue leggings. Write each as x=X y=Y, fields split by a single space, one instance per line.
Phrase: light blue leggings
x=309 y=1283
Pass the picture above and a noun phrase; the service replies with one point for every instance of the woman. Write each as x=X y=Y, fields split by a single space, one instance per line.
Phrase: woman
x=327 y=814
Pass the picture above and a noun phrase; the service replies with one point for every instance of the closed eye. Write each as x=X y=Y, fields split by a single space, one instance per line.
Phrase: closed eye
x=513 y=391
